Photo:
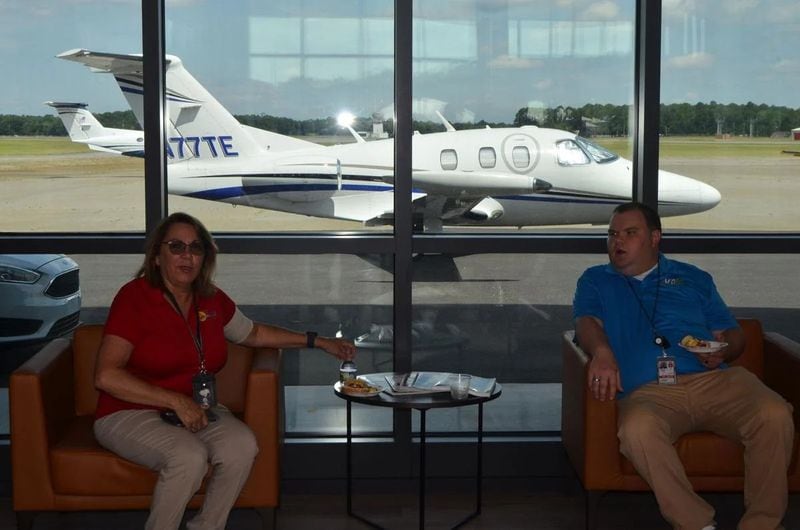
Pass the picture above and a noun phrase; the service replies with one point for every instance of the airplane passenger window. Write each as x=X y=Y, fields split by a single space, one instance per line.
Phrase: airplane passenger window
x=521 y=157
x=487 y=157
x=448 y=159
x=570 y=154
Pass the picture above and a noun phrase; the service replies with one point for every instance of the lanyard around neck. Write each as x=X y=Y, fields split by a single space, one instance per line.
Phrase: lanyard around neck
x=659 y=340
x=197 y=337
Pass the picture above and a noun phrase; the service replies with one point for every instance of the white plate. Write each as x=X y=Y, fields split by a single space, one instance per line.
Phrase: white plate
x=350 y=392
x=712 y=346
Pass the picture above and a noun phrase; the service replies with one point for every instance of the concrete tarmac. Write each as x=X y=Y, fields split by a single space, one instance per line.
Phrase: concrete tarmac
x=101 y=192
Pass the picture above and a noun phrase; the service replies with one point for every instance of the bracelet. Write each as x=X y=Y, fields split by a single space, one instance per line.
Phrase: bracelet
x=311 y=339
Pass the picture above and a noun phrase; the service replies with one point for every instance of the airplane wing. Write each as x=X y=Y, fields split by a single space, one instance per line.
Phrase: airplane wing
x=473 y=184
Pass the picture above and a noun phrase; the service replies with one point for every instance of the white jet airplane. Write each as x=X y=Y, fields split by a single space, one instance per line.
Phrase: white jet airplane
x=526 y=176
x=84 y=128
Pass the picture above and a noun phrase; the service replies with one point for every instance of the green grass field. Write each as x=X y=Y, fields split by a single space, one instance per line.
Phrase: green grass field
x=39 y=145
x=706 y=147
x=674 y=146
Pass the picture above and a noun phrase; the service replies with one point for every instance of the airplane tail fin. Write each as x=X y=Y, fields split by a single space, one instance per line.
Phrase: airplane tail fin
x=199 y=126
x=81 y=124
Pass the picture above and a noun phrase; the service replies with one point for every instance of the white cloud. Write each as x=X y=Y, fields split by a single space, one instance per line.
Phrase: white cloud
x=604 y=10
x=739 y=7
x=787 y=66
x=692 y=60
x=677 y=8
x=691 y=96
x=784 y=13
x=544 y=84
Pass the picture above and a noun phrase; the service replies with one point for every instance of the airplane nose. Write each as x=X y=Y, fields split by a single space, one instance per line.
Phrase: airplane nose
x=681 y=195
x=709 y=195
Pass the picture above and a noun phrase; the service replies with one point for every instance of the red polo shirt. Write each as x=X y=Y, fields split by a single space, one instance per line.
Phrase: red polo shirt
x=164 y=353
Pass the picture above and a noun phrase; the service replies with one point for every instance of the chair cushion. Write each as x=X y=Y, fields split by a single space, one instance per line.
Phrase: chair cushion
x=78 y=456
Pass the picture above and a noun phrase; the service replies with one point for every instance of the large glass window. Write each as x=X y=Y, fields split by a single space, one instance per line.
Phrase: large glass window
x=521 y=79
x=290 y=104
x=280 y=119
x=335 y=295
x=64 y=132
x=501 y=315
x=729 y=103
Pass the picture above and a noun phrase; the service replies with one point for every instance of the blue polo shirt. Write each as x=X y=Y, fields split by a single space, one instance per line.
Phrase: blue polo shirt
x=679 y=298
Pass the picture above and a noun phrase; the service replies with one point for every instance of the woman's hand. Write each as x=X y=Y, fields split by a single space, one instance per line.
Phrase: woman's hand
x=191 y=415
x=343 y=349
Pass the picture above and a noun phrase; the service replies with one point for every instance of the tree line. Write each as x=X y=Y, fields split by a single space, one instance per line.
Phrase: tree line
x=676 y=119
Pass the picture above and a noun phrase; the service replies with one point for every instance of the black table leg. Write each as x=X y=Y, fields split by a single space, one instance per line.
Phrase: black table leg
x=422 y=469
x=479 y=470
x=349 y=462
x=350 y=511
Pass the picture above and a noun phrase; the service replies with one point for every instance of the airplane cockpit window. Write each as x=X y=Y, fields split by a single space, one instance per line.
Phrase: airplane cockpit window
x=521 y=157
x=570 y=154
x=599 y=154
x=487 y=157
x=448 y=159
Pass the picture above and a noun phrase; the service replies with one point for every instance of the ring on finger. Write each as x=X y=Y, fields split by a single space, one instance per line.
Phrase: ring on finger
x=595 y=379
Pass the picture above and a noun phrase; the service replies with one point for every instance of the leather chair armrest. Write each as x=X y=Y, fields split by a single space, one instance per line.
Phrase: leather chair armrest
x=782 y=368
x=41 y=398
x=588 y=426
x=262 y=412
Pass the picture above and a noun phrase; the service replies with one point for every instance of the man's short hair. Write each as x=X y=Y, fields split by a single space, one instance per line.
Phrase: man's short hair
x=651 y=217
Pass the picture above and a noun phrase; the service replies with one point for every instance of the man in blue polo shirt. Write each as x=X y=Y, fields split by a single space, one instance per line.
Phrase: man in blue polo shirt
x=630 y=317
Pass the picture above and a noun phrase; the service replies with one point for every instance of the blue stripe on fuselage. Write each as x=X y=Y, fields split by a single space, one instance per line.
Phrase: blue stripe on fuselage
x=239 y=191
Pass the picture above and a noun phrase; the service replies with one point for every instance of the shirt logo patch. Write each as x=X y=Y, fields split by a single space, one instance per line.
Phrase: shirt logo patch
x=204 y=315
x=673 y=281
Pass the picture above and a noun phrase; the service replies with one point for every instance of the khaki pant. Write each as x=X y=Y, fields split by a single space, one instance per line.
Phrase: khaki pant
x=733 y=403
x=181 y=459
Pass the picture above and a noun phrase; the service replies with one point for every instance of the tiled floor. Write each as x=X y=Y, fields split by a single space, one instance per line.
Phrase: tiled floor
x=501 y=511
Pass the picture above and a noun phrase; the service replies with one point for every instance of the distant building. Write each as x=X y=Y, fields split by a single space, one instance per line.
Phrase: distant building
x=377 y=127
x=796 y=133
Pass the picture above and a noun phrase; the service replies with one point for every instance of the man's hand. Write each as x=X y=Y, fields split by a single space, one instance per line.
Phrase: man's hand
x=734 y=337
x=603 y=376
x=711 y=361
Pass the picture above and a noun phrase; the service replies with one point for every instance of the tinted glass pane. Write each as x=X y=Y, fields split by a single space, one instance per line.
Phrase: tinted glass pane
x=64 y=130
x=729 y=104
x=502 y=316
x=287 y=71
x=519 y=78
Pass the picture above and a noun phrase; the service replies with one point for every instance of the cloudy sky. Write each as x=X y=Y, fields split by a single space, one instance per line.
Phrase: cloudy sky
x=479 y=59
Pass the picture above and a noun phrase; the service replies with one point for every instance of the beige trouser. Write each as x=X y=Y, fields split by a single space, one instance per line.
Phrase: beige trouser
x=733 y=403
x=181 y=459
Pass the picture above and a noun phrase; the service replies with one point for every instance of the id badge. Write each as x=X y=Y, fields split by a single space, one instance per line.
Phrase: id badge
x=665 y=366
x=204 y=390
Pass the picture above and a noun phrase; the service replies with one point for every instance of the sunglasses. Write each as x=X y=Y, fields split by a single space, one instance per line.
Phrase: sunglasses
x=178 y=247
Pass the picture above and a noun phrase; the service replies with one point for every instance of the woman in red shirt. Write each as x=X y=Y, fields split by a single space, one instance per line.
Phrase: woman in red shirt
x=165 y=338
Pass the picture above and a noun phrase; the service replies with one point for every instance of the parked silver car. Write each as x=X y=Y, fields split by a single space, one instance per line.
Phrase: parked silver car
x=40 y=296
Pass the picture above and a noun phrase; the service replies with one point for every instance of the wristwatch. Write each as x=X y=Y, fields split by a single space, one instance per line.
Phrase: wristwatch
x=311 y=339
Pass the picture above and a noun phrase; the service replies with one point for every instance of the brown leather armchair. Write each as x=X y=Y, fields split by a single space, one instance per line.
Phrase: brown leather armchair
x=713 y=463
x=58 y=465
